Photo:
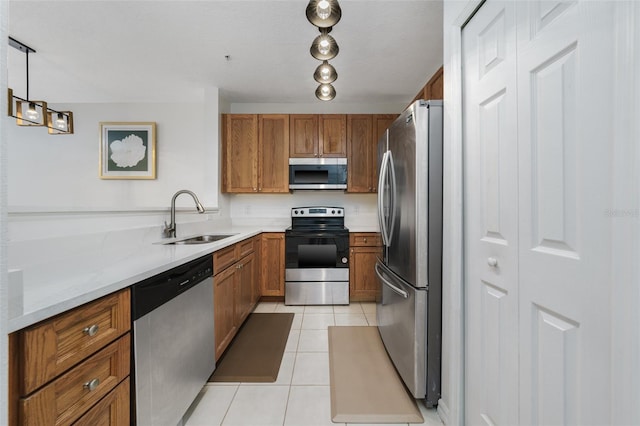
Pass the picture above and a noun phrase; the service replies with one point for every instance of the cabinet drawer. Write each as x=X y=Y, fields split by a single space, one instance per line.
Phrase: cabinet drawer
x=69 y=396
x=244 y=247
x=112 y=410
x=224 y=258
x=365 y=239
x=55 y=345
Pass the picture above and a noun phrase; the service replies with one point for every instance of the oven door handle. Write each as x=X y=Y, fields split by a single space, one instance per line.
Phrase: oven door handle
x=381 y=273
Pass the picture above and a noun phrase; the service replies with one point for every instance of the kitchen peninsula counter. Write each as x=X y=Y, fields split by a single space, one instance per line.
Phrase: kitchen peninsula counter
x=59 y=274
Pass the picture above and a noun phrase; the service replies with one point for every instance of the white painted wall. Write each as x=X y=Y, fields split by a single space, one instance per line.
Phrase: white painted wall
x=54 y=188
x=274 y=209
x=4 y=317
x=319 y=107
x=61 y=172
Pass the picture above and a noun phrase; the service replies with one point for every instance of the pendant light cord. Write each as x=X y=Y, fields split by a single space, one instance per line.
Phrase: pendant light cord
x=27 y=74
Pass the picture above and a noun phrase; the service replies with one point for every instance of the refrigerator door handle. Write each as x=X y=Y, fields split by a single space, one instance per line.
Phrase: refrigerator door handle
x=380 y=272
x=392 y=199
x=381 y=194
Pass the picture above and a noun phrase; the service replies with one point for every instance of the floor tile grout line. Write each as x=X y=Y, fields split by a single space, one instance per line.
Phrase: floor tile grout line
x=226 y=412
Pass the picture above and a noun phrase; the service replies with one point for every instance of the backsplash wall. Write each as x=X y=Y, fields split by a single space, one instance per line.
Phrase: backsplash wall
x=360 y=209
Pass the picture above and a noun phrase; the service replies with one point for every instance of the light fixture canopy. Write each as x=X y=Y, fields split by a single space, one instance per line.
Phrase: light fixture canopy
x=325 y=73
x=325 y=92
x=324 y=13
x=324 y=47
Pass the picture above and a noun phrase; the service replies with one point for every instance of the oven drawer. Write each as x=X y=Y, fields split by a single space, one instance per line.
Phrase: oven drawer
x=316 y=274
x=316 y=293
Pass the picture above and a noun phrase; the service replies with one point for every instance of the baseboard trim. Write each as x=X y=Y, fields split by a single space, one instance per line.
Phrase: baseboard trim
x=443 y=412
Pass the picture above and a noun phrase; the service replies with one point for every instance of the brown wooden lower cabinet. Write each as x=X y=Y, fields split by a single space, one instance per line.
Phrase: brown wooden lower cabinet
x=364 y=285
x=234 y=290
x=112 y=410
x=272 y=264
x=244 y=289
x=224 y=308
x=93 y=344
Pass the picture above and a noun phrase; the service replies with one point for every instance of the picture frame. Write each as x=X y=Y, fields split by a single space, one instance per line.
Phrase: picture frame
x=127 y=150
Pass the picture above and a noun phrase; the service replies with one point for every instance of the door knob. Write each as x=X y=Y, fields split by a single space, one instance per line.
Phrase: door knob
x=492 y=261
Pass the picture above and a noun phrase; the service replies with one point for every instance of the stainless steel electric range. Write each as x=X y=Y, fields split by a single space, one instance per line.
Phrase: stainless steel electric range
x=317 y=257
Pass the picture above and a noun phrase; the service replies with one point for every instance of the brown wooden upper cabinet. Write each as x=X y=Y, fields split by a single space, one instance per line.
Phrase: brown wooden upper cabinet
x=273 y=149
x=313 y=135
x=255 y=154
x=434 y=89
x=363 y=133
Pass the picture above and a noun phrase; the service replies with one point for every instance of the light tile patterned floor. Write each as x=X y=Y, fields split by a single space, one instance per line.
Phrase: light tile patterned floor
x=300 y=396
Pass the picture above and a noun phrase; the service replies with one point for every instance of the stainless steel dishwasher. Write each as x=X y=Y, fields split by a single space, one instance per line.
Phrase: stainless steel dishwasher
x=174 y=350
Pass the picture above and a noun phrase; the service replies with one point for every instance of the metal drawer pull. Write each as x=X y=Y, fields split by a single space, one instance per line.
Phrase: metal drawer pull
x=92 y=330
x=91 y=385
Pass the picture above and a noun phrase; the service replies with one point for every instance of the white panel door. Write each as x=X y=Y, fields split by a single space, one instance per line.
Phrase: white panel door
x=538 y=181
x=491 y=234
x=565 y=68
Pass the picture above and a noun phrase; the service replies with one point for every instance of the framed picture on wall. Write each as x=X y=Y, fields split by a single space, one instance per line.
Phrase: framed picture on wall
x=127 y=150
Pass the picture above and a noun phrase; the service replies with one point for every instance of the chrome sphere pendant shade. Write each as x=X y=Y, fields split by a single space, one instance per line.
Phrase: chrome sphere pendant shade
x=325 y=92
x=325 y=73
x=324 y=47
x=324 y=13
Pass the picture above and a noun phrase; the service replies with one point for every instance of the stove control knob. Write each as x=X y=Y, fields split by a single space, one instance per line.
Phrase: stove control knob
x=345 y=260
x=333 y=212
x=295 y=212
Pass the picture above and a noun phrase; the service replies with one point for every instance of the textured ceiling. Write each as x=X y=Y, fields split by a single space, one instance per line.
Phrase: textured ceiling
x=156 y=50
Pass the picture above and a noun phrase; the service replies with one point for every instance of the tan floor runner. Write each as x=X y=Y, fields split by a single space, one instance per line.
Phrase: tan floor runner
x=255 y=354
x=365 y=387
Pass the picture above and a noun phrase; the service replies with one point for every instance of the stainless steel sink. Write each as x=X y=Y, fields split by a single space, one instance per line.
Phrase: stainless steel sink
x=201 y=239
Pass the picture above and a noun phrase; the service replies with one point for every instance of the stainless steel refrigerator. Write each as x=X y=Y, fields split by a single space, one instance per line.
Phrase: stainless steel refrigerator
x=409 y=312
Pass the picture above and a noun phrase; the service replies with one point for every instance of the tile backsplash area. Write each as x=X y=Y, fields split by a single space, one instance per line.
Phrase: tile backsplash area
x=360 y=209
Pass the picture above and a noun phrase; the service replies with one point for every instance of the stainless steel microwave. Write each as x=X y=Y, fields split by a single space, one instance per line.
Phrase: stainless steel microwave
x=317 y=173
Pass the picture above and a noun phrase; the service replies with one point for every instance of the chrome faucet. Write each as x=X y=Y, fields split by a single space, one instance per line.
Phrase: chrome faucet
x=169 y=230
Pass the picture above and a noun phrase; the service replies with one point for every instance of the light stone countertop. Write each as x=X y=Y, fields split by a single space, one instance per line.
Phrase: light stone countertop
x=59 y=274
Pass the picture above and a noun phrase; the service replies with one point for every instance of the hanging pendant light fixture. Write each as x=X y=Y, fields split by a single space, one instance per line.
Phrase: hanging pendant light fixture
x=325 y=92
x=325 y=73
x=36 y=113
x=324 y=13
x=324 y=47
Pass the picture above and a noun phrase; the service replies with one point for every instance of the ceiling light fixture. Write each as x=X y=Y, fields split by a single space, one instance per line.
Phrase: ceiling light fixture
x=324 y=47
x=324 y=13
x=325 y=73
x=28 y=112
x=325 y=92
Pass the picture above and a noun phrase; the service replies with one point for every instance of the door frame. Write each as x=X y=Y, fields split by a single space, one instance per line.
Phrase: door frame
x=624 y=213
x=451 y=405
